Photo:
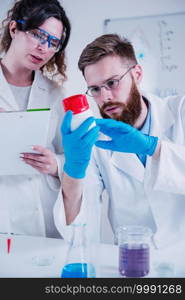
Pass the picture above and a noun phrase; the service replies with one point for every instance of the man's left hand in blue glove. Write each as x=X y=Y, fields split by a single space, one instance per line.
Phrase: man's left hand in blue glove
x=125 y=138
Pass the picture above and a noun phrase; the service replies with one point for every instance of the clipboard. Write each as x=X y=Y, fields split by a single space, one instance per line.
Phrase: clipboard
x=19 y=131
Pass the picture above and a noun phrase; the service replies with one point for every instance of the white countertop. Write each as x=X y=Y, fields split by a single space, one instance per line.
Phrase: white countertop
x=39 y=257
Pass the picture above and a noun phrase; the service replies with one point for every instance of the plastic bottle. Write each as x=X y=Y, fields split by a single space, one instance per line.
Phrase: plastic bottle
x=79 y=105
x=78 y=263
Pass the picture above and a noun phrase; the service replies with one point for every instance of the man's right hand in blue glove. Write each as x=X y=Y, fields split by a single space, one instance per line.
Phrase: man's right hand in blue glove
x=77 y=145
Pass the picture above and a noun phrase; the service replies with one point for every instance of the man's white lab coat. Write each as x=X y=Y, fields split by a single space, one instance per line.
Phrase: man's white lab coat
x=26 y=202
x=153 y=196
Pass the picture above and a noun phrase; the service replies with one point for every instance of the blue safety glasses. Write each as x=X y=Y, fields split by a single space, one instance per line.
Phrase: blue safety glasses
x=42 y=37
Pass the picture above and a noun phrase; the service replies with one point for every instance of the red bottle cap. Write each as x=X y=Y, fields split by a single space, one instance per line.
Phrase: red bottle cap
x=76 y=103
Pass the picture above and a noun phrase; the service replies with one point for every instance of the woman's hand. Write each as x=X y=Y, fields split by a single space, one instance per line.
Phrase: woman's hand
x=45 y=162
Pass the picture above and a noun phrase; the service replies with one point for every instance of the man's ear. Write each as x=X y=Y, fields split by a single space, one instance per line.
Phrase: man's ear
x=137 y=73
x=12 y=28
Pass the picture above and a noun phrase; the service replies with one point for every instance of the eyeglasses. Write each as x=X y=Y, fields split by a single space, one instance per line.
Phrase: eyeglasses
x=42 y=37
x=111 y=84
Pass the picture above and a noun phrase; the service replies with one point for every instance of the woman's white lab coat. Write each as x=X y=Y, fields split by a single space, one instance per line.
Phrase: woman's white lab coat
x=26 y=202
x=153 y=196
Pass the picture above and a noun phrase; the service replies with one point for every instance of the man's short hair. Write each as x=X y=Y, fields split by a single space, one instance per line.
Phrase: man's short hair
x=106 y=45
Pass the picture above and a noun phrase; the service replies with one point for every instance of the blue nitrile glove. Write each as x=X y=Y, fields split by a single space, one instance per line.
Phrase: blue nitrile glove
x=125 y=138
x=77 y=145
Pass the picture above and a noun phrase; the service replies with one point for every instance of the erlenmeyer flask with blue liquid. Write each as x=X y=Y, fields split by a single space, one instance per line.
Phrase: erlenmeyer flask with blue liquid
x=78 y=260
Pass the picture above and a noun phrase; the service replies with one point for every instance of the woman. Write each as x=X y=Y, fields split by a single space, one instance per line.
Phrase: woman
x=35 y=35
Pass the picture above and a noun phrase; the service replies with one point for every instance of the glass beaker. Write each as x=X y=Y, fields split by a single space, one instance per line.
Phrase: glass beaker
x=134 y=250
x=78 y=260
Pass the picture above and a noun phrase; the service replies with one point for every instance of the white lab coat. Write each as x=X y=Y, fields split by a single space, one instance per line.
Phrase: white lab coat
x=153 y=196
x=26 y=202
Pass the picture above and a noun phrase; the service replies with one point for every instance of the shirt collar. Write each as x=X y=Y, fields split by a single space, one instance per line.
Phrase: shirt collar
x=146 y=126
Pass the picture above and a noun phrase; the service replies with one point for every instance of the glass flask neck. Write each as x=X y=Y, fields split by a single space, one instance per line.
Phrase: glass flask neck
x=78 y=237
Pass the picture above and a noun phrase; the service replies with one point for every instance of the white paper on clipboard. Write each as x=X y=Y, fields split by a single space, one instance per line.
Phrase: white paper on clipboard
x=19 y=131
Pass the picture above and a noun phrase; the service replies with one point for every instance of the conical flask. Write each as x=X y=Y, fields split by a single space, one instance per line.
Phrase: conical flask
x=78 y=260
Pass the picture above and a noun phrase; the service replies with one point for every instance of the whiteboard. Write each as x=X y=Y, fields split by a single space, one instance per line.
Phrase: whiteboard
x=159 y=44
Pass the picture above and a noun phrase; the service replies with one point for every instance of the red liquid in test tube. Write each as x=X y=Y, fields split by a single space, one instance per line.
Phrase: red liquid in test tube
x=8 y=245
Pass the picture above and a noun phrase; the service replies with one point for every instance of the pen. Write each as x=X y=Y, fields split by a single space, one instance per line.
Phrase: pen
x=37 y=109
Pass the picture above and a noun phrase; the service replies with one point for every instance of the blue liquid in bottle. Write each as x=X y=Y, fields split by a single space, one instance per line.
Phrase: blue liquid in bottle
x=78 y=270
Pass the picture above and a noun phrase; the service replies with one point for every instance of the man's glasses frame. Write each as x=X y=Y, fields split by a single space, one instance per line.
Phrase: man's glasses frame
x=110 y=84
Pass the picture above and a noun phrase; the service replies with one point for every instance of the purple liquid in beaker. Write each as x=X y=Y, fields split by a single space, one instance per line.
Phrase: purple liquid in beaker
x=134 y=260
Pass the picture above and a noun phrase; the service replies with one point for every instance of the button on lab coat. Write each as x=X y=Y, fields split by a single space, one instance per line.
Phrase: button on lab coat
x=153 y=196
x=26 y=202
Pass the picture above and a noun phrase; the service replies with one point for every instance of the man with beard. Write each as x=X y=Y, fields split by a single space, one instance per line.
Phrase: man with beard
x=139 y=160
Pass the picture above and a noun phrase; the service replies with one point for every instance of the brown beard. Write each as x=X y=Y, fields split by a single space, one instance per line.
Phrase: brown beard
x=130 y=111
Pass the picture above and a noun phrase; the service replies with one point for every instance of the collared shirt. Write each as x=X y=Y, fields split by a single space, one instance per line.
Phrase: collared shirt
x=145 y=129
